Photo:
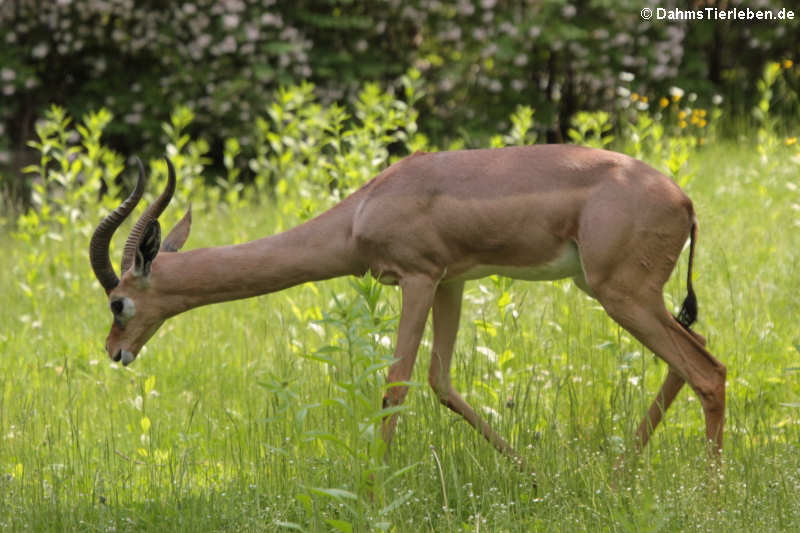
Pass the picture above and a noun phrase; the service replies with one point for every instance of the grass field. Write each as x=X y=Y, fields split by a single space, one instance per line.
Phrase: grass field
x=261 y=415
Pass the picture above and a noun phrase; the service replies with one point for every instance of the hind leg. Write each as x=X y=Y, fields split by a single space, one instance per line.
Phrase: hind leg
x=673 y=384
x=625 y=268
x=646 y=318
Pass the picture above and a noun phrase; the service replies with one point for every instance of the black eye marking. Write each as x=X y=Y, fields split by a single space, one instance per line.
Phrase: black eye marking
x=117 y=306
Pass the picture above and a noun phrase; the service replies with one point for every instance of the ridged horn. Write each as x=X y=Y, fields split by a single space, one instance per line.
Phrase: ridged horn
x=152 y=212
x=99 y=255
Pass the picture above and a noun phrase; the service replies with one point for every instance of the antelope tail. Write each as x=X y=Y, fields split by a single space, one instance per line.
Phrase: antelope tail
x=688 y=313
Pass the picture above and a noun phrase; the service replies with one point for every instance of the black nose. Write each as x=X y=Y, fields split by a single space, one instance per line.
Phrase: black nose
x=117 y=356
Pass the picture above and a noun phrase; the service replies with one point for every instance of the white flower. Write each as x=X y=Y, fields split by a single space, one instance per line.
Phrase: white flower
x=487 y=352
x=621 y=39
x=465 y=8
x=659 y=72
x=453 y=34
x=508 y=29
x=268 y=19
x=40 y=50
x=716 y=99
x=490 y=50
x=230 y=21
x=626 y=76
x=623 y=92
x=252 y=32
x=6 y=74
x=676 y=92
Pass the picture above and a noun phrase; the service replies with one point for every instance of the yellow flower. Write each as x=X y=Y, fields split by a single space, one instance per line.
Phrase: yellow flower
x=702 y=123
x=664 y=102
x=701 y=141
x=681 y=114
x=645 y=99
x=682 y=124
x=634 y=96
x=790 y=141
x=787 y=63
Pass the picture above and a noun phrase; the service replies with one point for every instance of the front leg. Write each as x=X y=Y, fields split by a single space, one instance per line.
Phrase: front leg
x=446 y=313
x=417 y=293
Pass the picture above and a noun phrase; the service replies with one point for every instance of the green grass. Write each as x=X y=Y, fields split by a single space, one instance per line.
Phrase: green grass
x=225 y=422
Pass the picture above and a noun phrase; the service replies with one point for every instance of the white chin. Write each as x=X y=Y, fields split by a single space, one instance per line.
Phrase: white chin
x=127 y=357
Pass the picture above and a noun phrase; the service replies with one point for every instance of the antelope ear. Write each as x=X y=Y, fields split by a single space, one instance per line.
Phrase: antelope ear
x=177 y=237
x=147 y=249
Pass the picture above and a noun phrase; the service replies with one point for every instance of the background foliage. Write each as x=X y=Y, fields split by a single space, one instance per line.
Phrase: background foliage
x=478 y=59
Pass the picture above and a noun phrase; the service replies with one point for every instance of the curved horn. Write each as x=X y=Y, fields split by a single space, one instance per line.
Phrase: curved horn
x=151 y=213
x=101 y=238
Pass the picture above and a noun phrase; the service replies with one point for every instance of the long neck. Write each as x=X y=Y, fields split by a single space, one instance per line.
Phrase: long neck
x=321 y=248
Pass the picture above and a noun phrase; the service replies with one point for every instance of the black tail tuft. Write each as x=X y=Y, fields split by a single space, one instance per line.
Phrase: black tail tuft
x=688 y=313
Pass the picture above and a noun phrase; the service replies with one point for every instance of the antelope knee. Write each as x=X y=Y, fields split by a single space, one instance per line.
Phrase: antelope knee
x=712 y=389
x=395 y=396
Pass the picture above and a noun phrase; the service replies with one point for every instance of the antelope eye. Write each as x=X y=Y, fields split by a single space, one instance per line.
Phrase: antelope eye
x=117 y=306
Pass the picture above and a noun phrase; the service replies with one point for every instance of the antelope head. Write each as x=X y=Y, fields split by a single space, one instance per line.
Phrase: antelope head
x=137 y=309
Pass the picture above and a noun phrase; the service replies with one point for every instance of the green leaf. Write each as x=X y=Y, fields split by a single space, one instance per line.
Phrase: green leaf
x=289 y=525
x=336 y=494
x=387 y=411
x=32 y=169
x=340 y=525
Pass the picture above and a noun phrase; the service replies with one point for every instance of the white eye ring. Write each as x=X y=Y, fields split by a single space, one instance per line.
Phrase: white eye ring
x=127 y=311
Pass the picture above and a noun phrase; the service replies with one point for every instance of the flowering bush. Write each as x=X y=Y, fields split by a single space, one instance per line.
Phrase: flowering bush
x=479 y=59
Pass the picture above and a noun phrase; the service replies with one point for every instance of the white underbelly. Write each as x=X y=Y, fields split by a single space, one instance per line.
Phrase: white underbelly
x=565 y=265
